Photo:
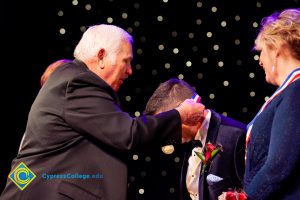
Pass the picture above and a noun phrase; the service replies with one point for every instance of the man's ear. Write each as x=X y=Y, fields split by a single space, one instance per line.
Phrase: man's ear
x=100 y=56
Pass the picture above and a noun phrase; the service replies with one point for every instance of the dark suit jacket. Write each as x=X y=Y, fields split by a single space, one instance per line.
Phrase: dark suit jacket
x=228 y=164
x=75 y=126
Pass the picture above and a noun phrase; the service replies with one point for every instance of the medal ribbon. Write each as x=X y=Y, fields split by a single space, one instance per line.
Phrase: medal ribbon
x=196 y=98
x=293 y=76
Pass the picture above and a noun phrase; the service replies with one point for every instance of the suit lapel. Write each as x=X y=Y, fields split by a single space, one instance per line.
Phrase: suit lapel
x=213 y=128
x=211 y=137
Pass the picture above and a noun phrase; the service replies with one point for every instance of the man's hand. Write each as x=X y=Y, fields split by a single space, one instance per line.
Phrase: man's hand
x=190 y=112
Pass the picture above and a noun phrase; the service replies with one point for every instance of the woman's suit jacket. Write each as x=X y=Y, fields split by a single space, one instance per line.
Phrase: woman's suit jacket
x=273 y=153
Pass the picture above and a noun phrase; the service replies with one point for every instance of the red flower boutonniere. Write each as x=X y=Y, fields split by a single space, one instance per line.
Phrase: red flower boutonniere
x=208 y=153
x=233 y=195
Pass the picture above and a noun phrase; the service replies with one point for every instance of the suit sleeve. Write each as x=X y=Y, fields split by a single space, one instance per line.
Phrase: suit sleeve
x=91 y=111
x=284 y=148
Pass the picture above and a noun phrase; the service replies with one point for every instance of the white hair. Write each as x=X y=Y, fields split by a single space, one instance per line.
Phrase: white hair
x=108 y=37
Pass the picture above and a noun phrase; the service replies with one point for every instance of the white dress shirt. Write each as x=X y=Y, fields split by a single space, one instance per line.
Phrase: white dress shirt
x=194 y=167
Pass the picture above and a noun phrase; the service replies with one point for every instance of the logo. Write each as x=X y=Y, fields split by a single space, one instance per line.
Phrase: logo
x=22 y=176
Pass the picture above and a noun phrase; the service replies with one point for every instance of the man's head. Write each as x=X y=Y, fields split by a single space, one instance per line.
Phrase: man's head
x=107 y=51
x=168 y=96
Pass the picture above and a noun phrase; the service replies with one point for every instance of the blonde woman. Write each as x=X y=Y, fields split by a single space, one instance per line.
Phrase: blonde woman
x=273 y=136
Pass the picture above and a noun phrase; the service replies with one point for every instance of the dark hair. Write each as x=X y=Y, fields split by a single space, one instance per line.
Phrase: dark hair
x=168 y=95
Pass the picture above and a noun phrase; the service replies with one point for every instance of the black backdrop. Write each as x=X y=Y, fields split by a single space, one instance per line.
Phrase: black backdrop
x=207 y=43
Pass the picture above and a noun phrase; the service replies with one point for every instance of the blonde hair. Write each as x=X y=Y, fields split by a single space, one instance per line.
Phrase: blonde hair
x=281 y=29
x=51 y=68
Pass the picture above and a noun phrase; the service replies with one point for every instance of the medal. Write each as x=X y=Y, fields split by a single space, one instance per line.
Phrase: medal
x=168 y=149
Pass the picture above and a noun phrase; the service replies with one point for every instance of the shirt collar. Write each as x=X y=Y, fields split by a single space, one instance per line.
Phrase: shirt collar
x=202 y=132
